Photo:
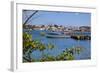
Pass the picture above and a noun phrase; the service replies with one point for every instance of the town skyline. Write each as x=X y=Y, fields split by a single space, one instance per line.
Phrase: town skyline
x=67 y=25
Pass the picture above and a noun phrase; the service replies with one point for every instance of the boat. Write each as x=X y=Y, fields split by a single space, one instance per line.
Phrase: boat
x=56 y=35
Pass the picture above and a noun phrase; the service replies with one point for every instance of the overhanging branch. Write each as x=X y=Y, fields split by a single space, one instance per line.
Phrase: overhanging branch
x=30 y=17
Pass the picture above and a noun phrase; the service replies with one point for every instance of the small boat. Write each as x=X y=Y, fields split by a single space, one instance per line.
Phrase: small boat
x=56 y=35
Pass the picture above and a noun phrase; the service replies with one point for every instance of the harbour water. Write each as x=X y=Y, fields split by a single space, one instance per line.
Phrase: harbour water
x=60 y=45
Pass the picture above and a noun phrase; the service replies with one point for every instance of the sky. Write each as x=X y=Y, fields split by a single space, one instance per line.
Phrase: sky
x=59 y=18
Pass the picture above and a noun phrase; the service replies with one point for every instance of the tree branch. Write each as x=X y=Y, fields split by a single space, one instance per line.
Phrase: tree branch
x=30 y=17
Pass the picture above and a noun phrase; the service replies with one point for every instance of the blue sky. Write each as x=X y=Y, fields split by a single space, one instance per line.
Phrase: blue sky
x=60 y=18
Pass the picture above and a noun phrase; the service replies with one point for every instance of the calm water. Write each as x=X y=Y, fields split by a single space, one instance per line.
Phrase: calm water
x=60 y=45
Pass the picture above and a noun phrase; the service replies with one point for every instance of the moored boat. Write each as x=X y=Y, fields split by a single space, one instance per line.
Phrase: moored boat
x=56 y=35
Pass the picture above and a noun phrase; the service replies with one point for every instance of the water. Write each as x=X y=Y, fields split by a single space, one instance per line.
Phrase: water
x=60 y=45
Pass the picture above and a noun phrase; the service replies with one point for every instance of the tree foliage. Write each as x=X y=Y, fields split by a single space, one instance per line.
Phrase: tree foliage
x=30 y=45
